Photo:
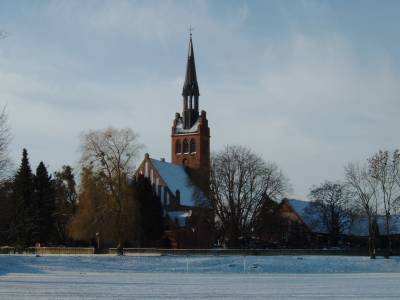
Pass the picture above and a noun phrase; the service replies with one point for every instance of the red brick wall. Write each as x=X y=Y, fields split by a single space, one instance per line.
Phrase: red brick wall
x=201 y=157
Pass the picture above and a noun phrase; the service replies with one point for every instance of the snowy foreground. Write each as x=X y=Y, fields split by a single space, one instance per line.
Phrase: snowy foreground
x=167 y=277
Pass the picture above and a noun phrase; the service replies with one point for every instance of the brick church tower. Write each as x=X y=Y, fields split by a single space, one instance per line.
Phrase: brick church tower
x=190 y=137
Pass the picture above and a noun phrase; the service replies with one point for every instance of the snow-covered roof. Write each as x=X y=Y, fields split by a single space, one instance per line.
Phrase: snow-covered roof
x=179 y=217
x=313 y=221
x=359 y=226
x=176 y=178
x=180 y=129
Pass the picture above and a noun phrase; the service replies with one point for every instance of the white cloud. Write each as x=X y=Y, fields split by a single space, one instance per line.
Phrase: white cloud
x=310 y=102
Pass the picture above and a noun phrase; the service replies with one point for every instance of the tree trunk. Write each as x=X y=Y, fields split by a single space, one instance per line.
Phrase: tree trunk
x=120 y=247
x=371 y=240
x=388 y=239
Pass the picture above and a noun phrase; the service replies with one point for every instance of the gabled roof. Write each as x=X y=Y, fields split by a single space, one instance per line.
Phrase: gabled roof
x=360 y=226
x=176 y=178
x=313 y=221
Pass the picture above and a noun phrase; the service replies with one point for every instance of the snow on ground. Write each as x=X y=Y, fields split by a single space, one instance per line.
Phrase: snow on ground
x=172 y=277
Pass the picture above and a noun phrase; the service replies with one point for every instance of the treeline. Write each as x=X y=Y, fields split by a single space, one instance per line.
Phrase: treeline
x=107 y=204
x=40 y=209
x=369 y=189
x=245 y=192
x=37 y=208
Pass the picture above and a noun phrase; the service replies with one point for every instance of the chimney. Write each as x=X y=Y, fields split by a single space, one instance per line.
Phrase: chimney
x=162 y=159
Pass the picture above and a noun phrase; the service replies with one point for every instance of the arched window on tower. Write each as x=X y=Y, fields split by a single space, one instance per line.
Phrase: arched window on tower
x=185 y=146
x=192 y=146
x=178 y=147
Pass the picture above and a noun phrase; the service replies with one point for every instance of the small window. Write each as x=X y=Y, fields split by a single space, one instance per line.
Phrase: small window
x=185 y=146
x=178 y=147
x=192 y=146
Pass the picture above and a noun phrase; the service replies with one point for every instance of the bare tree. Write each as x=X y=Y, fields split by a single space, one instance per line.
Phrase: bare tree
x=362 y=188
x=240 y=182
x=5 y=138
x=111 y=153
x=384 y=167
x=330 y=203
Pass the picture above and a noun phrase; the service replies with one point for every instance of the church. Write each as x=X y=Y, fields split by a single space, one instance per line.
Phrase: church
x=182 y=184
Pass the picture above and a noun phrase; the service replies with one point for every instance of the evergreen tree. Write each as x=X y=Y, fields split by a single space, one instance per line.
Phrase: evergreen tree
x=7 y=206
x=22 y=227
x=66 y=201
x=44 y=205
x=150 y=210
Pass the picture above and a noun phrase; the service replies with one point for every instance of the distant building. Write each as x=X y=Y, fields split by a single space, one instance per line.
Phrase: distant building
x=182 y=183
x=296 y=226
x=292 y=226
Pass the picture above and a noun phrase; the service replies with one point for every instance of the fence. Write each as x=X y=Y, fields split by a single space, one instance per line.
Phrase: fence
x=190 y=252
x=246 y=252
x=48 y=251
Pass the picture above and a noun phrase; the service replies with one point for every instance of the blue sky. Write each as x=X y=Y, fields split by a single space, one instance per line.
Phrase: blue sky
x=311 y=85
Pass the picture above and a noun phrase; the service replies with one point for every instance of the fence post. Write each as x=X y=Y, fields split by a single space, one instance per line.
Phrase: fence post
x=187 y=263
x=244 y=264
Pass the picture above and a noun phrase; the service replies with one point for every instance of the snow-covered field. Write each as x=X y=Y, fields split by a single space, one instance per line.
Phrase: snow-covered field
x=171 y=277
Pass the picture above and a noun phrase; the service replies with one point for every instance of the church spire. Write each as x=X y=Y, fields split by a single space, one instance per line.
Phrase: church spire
x=190 y=138
x=190 y=87
x=190 y=90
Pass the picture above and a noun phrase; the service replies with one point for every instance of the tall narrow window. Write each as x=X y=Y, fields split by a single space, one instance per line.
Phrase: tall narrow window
x=185 y=146
x=192 y=146
x=178 y=147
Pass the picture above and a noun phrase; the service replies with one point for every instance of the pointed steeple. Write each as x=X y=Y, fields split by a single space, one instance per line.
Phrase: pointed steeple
x=190 y=87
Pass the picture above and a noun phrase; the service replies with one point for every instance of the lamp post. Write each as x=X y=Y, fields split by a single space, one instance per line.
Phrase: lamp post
x=98 y=240
x=194 y=237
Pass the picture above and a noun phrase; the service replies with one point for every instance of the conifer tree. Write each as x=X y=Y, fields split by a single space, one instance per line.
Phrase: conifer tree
x=44 y=205
x=23 y=226
x=7 y=206
x=66 y=201
x=150 y=210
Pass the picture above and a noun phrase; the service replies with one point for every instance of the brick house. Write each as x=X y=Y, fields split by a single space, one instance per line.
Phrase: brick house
x=295 y=226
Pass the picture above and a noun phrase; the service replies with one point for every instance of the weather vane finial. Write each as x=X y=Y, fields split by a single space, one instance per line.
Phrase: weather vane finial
x=190 y=30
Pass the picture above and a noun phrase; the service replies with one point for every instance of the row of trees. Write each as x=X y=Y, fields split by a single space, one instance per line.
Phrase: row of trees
x=37 y=208
x=242 y=192
x=245 y=190
x=368 y=190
